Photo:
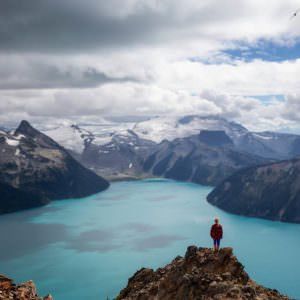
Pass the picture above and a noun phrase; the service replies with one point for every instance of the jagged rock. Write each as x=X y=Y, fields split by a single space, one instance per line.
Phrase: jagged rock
x=201 y=274
x=24 y=291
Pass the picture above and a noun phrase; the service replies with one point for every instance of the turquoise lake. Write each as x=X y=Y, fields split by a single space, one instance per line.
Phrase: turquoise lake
x=87 y=248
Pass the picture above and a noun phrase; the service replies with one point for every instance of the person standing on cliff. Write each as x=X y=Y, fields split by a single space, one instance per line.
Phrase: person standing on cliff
x=216 y=233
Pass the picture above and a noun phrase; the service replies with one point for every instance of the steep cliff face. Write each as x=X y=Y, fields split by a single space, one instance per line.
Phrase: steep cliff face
x=215 y=138
x=270 y=191
x=24 y=291
x=33 y=164
x=201 y=274
x=13 y=199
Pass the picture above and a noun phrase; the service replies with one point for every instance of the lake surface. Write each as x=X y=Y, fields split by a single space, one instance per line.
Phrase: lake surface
x=87 y=248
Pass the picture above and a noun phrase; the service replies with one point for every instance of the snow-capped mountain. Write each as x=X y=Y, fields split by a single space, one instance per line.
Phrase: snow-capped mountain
x=156 y=129
x=71 y=137
x=77 y=137
x=266 y=144
x=121 y=148
x=170 y=128
x=109 y=148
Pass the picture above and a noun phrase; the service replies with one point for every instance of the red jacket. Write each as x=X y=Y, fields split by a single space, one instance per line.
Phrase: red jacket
x=216 y=231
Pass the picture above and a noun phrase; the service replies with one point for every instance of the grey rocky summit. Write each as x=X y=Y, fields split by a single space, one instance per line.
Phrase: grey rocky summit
x=200 y=274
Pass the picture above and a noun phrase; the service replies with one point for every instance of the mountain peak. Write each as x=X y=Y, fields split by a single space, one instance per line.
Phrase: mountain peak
x=200 y=274
x=26 y=129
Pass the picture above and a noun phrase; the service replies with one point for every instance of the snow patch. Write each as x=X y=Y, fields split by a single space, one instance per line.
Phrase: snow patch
x=69 y=137
x=11 y=142
x=19 y=136
x=103 y=151
x=170 y=128
x=263 y=136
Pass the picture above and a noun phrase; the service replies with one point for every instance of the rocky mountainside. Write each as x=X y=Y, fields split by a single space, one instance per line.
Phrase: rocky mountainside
x=119 y=149
x=269 y=191
x=122 y=157
x=35 y=169
x=24 y=291
x=266 y=144
x=112 y=150
x=206 y=158
x=201 y=274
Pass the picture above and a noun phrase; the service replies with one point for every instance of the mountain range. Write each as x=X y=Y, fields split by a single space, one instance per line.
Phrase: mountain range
x=210 y=148
x=157 y=129
x=62 y=162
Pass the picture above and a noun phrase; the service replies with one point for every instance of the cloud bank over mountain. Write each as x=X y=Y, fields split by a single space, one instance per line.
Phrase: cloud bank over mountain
x=83 y=60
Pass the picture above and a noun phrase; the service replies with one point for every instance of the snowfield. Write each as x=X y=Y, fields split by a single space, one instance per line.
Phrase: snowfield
x=111 y=134
x=170 y=128
x=70 y=137
x=156 y=129
x=12 y=142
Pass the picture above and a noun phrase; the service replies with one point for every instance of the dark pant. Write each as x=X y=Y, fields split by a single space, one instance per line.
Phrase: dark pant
x=217 y=242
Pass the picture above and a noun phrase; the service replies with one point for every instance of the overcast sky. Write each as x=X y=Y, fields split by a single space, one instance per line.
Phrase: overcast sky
x=82 y=60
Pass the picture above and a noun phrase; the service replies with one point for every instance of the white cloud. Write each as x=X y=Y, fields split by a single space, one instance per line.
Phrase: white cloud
x=148 y=70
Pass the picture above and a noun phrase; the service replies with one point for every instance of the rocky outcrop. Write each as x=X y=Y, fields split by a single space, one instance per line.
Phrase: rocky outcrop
x=24 y=291
x=270 y=191
x=201 y=274
x=34 y=169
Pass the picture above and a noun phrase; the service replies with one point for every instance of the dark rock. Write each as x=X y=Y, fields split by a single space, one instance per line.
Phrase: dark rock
x=191 y=252
x=215 y=138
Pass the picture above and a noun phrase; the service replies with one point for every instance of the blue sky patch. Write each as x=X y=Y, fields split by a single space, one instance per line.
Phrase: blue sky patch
x=266 y=99
x=265 y=50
